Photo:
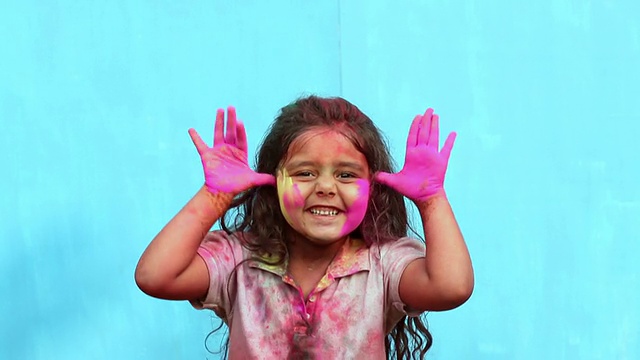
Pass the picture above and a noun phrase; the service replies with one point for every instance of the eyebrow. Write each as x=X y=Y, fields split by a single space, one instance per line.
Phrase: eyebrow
x=342 y=164
x=349 y=164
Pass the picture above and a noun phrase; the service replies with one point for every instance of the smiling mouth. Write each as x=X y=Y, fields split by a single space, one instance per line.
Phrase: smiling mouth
x=324 y=212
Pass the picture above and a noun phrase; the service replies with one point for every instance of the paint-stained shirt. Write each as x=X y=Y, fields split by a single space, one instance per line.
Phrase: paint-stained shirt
x=347 y=316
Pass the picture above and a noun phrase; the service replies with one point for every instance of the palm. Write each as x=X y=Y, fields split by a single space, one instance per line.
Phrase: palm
x=423 y=168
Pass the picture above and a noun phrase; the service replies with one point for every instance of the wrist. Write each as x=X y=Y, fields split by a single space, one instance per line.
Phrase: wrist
x=430 y=200
x=206 y=204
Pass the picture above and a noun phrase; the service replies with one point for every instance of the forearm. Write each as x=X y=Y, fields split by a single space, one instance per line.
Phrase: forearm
x=176 y=245
x=448 y=264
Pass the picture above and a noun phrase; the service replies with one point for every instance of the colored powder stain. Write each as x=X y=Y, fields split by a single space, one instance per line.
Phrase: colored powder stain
x=356 y=211
x=337 y=314
x=215 y=167
x=288 y=194
x=293 y=199
x=349 y=261
x=300 y=308
x=324 y=282
x=265 y=261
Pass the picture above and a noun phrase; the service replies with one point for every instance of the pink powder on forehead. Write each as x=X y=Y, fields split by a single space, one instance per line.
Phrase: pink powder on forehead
x=340 y=129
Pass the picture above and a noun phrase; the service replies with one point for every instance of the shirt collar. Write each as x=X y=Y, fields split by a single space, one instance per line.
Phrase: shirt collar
x=352 y=258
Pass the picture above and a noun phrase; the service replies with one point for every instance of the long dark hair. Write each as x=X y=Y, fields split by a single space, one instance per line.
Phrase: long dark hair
x=257 y=212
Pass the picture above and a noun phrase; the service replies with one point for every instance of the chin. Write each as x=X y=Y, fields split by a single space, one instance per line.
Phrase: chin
x=323 y=239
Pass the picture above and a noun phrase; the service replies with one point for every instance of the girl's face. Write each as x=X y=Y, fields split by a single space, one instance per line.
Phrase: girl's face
x=323 y=186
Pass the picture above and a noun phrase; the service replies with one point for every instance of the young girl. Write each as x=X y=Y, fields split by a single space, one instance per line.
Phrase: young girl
x=315 y=262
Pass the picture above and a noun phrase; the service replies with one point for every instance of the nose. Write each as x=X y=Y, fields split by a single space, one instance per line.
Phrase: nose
x=325 y=186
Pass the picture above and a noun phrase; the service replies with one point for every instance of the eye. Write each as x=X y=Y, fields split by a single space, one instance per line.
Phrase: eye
x=303 y=173
x=346 y=175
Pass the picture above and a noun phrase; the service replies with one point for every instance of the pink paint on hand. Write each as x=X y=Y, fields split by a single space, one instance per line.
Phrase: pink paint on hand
x=422 y=176
x=356 y=211
x=226 y=168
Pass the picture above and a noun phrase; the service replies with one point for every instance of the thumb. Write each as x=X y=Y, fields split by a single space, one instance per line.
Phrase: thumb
x=383 y=178
x=448 y=145
x=264 y=179
x=201 y=146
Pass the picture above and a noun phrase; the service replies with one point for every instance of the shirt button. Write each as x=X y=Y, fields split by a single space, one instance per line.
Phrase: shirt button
x=300 y=330
x=308 y=316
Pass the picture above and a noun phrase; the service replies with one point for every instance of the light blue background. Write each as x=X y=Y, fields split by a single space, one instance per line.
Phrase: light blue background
x=96 y=99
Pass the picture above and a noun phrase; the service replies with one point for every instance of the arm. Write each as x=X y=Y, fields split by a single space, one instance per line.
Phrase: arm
x=443 y=279
x=170 y=267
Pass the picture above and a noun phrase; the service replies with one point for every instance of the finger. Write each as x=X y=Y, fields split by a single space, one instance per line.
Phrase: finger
x=383 y=178
x=425 y=127
x=201 y=146
x=448 y=145
x=412 y=139
x=434 y=134
x=230 y=136
x=265 y=179
x=241 y=137
x=218 y=131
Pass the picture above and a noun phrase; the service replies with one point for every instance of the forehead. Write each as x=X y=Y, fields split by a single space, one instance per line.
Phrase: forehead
x=323 y=145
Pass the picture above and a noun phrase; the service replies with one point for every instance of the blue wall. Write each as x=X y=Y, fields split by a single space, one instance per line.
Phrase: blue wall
x=96 y=99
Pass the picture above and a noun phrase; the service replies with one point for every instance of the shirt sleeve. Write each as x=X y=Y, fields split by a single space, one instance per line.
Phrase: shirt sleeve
x=221 y=253
x=395 y=257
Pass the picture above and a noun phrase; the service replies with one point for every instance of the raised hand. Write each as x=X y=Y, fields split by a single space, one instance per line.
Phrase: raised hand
x=226 y=168
x=422 y=175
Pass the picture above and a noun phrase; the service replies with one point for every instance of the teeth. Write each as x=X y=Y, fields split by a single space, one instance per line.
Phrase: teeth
x=324 y=212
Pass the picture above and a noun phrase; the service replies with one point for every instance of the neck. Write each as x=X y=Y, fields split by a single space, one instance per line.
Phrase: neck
x=305 y=251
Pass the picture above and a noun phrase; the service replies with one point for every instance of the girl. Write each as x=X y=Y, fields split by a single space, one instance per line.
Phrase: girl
x=314 y=262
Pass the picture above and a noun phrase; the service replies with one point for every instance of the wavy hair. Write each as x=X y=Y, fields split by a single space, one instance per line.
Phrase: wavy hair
x=257 y=212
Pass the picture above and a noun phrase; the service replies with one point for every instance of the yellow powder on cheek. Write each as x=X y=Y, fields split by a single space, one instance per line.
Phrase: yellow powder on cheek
x=285 y=189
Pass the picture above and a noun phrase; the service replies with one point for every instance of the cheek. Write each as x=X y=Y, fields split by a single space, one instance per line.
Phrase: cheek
x=357 y=207
x=359 y=197
x=289 y=195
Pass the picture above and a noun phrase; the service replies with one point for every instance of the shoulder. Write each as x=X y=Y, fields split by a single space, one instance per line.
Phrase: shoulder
x=401 y=247
x=392 y=257
x=220 y=243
